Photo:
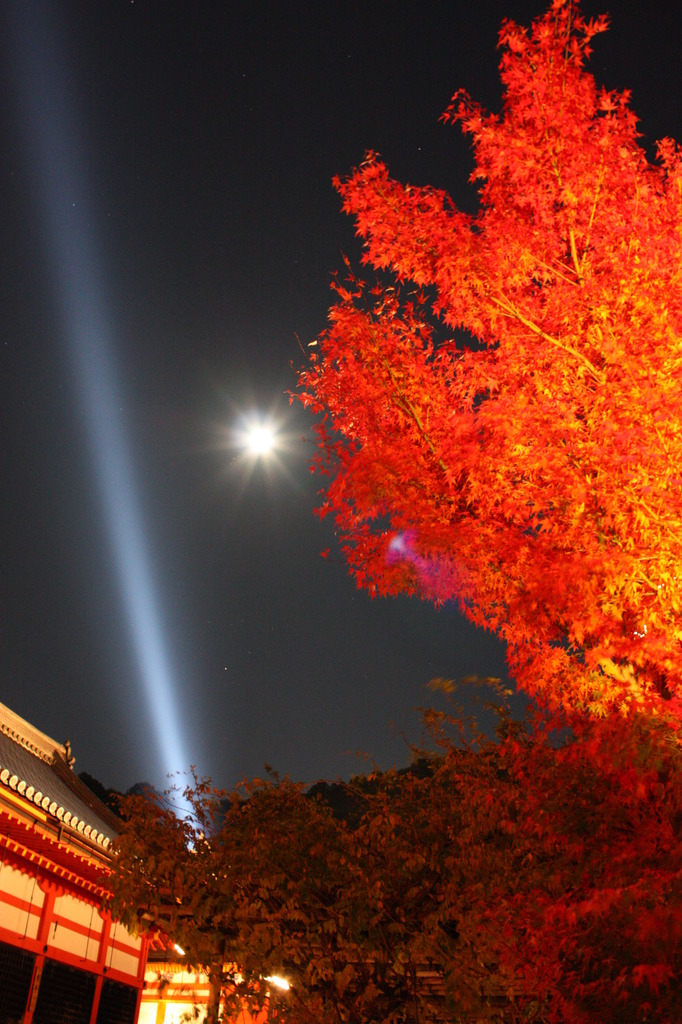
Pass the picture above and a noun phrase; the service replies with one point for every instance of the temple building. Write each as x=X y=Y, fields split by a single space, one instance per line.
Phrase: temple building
x=62 y=960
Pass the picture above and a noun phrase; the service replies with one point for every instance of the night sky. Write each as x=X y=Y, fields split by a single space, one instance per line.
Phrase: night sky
x=183 y=225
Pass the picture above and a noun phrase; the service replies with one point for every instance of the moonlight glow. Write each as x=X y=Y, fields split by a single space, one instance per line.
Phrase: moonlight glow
x=258 y=436
x=260 y=439
x=262 y=443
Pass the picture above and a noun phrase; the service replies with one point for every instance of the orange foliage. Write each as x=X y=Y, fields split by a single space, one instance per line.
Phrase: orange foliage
x=529 y=469
x=502 y=881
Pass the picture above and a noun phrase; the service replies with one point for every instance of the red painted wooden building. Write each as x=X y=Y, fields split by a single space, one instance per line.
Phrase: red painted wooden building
x=62 y=961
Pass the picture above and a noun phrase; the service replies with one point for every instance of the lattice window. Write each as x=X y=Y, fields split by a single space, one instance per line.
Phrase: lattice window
x=65 y=995
x=117 y=1003
x=16 y=970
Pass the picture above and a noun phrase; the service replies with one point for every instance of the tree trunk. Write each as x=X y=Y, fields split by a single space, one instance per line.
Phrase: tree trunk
x=215 y=979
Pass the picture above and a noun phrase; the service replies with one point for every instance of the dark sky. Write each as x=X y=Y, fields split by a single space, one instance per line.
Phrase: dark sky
x=182 y=224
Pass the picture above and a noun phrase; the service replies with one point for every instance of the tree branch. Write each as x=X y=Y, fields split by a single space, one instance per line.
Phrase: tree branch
x=511 y=310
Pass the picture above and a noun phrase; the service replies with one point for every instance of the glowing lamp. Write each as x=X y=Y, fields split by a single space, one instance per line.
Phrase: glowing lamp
x=278 y=982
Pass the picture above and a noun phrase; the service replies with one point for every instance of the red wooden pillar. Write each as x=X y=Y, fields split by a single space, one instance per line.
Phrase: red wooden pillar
x=144 y=951
x=43 y=934
x=101 y=967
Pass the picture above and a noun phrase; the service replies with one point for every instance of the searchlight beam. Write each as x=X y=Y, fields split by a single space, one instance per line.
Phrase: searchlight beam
x=48 y=116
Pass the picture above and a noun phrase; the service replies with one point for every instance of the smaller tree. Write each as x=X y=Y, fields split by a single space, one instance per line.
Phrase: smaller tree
x=267 y=881
x=168 y=876
x=509 y=880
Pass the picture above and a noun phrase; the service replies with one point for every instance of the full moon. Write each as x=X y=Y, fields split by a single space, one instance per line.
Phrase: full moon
x=260 y=440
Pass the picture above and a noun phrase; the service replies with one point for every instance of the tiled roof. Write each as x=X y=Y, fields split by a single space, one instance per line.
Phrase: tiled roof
x=38 y=768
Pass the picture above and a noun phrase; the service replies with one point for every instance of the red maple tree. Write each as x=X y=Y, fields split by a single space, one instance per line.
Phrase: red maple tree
x=528 y=468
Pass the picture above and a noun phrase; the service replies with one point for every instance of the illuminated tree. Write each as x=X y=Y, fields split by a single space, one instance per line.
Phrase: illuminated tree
x=168 y=876
x=505 y=880
x=528 y=467
x=266 y=883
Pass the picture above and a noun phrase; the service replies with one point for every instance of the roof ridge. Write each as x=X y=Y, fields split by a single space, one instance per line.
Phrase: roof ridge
x=83 y=791
x=22 y=732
